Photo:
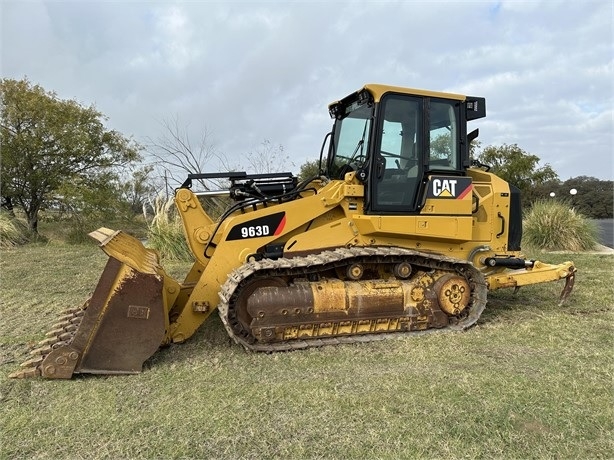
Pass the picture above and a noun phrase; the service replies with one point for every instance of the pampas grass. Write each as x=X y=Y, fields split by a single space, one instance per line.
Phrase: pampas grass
x=165 y=232
x=555 y=226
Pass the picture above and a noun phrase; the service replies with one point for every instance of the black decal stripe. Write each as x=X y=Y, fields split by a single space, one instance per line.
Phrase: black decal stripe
x=272 y=222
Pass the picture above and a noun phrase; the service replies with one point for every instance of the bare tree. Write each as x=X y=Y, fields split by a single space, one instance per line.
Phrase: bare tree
x=176 y=153
x=269 y=158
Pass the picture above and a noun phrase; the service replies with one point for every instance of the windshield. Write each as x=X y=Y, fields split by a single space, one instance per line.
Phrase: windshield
x=350 y=142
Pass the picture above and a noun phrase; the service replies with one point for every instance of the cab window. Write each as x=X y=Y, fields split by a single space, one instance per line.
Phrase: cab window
x=443 y=135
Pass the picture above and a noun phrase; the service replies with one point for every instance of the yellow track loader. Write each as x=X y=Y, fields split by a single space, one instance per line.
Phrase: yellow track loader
x=399 y=233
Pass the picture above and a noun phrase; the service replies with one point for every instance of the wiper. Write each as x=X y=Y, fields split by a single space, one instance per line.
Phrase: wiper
x=358 y=146
x=360 y=143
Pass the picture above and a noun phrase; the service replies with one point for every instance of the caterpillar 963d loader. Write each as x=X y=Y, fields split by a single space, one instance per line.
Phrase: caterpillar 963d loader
x=399 y=233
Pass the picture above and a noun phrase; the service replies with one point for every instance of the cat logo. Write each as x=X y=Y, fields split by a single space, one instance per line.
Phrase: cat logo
x=444 y=188
x=449 y=187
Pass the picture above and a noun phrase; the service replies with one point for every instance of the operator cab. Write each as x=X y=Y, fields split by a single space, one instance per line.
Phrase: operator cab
x=396 y=138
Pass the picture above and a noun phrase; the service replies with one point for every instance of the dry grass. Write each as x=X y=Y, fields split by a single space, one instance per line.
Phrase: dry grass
x=165 y=232
x=554 y=226
x=13 y=231
x=532 y=380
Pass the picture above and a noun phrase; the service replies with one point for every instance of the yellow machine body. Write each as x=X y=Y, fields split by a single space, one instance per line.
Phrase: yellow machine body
x=297 y=265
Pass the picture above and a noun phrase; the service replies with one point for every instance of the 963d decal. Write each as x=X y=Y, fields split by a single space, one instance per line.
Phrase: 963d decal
x=263 y=226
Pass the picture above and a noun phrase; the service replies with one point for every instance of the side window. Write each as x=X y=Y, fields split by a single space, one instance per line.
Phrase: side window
x=443 y=135
x=351 y=142
x=392 y=137
x=396 y=162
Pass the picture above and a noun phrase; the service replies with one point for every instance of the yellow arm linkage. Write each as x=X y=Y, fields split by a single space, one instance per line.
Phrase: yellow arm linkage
x=539 y=273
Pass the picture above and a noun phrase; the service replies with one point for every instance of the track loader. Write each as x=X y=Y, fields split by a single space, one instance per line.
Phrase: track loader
x=400 y=233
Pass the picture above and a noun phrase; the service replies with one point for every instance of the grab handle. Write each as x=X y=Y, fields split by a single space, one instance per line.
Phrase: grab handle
x=502 y=224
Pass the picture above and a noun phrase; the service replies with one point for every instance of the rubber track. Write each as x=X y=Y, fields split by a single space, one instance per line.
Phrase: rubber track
x=313 y=264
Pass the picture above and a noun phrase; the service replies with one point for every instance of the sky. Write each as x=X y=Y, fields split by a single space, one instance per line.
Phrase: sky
x=248 y=71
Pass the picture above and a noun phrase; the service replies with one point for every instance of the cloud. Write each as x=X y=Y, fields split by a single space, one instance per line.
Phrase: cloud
x=249 y=71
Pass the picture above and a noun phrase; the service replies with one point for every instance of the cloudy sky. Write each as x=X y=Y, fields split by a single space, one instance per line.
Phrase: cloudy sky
x=252 y=70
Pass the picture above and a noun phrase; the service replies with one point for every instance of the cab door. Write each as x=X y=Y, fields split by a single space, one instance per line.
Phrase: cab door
x=415 y=137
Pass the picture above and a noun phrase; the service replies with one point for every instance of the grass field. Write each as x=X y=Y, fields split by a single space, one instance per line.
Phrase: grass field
x=531 y=380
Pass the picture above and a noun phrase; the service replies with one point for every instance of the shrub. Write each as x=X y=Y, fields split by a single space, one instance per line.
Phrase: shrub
x=165 y=232
x=77 y=230
x=13 y=232
x=555 y=226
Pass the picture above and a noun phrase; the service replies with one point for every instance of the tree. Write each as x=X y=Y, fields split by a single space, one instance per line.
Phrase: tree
x=268 y=158
x=177 y=153
x=474 y=147
x=49 y=143
x=441 y=147
x=138 y=190
x=593 y=197
x=88 y=202
x=517 y=167
x=309 y=170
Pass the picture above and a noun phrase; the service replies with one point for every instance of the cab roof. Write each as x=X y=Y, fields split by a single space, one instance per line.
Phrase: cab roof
x=378 y=90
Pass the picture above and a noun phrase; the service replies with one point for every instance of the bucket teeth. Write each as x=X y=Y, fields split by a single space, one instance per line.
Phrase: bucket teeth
x=26 y=373
x=58 y=331
x=61 y=325
x=49 y=341
x=55 y=331
x=66 y=336
x=59 y=344
x=44 y=350
x=66 y=317
x=32 y=362
x=61 y=334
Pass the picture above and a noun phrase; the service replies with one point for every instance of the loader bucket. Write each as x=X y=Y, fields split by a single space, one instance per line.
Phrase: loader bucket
x=119 y=327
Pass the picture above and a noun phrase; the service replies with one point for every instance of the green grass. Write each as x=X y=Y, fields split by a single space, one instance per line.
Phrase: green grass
x=531 y=380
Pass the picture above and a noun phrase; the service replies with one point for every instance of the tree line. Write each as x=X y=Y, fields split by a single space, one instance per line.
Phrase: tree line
x=58 y=156
x=592 y=197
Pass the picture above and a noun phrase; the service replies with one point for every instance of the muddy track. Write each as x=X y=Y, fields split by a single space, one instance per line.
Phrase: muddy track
x=313 y=265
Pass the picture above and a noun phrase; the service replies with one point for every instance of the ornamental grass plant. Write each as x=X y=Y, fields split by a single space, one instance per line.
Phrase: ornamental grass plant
x=556 y=226
x=165 y=232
